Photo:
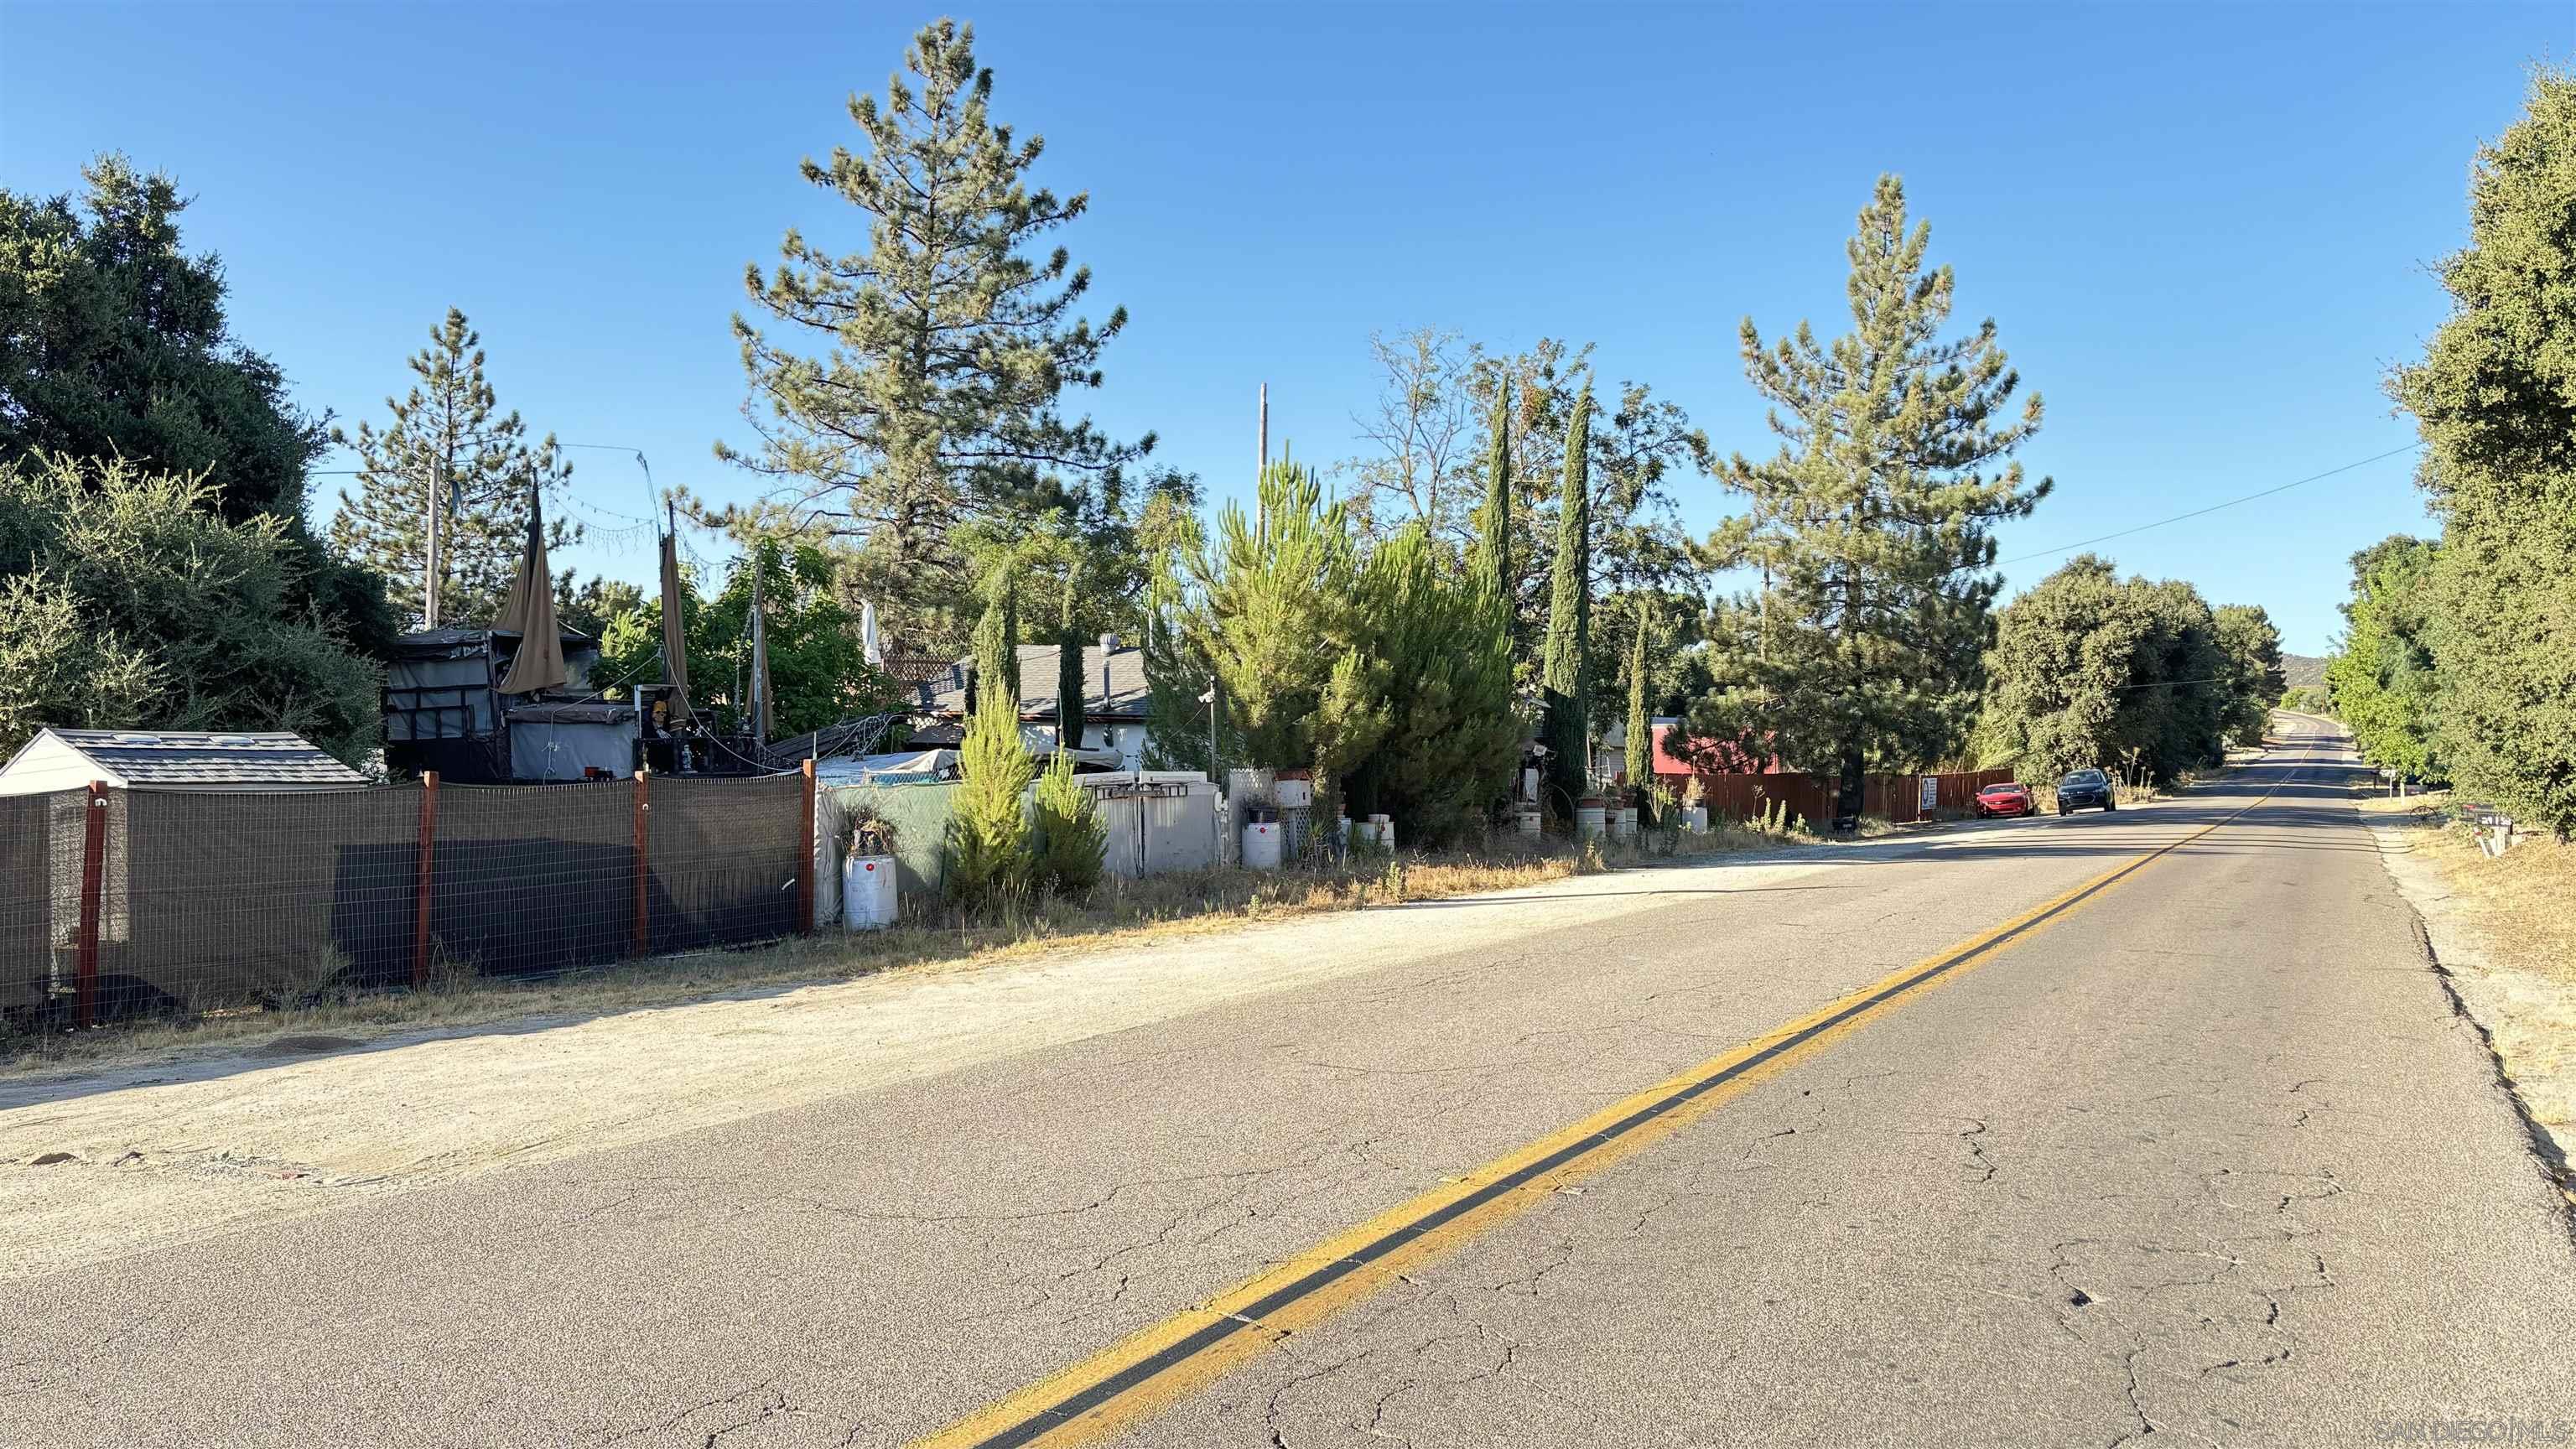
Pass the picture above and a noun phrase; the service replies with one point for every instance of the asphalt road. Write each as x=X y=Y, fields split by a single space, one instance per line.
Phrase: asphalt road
x=2205 y=1153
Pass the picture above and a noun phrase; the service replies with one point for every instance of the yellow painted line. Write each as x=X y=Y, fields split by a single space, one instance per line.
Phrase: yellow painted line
x=1151 y=1368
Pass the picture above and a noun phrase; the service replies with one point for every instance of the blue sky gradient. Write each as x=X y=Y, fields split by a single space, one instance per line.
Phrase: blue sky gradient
x=2203 y=230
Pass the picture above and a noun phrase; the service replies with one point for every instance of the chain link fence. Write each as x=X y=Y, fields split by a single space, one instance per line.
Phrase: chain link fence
x=120 y=904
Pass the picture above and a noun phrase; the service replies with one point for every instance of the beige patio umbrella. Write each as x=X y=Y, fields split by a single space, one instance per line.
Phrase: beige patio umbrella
x=530 y=612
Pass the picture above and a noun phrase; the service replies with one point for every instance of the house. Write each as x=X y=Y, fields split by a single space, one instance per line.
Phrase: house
x=63 y=759
x=1113 y=701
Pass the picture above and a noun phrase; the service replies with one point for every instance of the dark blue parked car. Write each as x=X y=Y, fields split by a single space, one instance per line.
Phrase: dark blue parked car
x=2084 y=787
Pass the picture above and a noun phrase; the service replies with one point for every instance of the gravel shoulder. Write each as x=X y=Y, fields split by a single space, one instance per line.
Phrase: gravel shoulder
x=2523 y=1002
x=108 y=1163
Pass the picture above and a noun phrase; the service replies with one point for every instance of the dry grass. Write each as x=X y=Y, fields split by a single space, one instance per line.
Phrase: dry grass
x=2521 y=907
x=930 y=937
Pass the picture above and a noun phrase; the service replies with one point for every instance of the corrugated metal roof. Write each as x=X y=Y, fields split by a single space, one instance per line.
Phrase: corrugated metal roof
x=182 y=758
x=1124 y=699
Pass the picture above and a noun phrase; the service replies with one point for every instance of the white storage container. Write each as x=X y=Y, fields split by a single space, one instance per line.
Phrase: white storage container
x=1587 y=818
x=1261 y=845
x=867 y=892
x=1627 y=822
x=1529 y=822
x=1695 y=820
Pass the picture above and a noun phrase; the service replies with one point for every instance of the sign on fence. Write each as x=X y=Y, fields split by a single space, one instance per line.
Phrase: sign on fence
x=1928 y=797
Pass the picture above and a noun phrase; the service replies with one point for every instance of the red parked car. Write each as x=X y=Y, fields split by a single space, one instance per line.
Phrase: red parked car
x=2004 y=799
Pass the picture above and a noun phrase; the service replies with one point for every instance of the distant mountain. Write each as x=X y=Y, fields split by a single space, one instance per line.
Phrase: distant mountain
x=2305 y=670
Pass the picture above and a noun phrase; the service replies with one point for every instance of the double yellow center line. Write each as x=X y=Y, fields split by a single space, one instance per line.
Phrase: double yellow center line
x=1151 y=1368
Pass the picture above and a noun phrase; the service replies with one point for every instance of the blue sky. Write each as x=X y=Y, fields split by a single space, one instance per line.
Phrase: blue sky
x=2202 y=230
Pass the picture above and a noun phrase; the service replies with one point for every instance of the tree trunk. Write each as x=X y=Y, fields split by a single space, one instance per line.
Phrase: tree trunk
x=1847 y=800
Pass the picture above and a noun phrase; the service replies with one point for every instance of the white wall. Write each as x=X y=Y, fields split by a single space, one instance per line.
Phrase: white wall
x=47 y=764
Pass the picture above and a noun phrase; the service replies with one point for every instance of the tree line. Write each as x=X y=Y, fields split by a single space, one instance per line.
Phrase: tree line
x=1505 y=561
x=2458 y=657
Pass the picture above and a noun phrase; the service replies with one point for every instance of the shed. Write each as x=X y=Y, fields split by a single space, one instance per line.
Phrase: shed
x=62 y=759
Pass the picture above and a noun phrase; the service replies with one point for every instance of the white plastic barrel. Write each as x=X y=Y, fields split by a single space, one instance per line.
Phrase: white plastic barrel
x=1261 y=845
x=1695 y=820
x=1587 y=818
x=867 y=892
x=1627 y=827
x=1529 y=822
x=1382 y=829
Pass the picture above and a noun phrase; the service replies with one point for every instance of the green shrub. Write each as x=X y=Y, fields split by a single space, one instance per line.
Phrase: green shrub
x=1071 y=835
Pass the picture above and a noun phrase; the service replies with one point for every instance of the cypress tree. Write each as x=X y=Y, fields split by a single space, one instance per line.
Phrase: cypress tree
x=449 y=425
x=1497 y=520
x=1564 y=695
x=1069 y=673
x=1876 y=521
x=987 y=826
x=1641 y=738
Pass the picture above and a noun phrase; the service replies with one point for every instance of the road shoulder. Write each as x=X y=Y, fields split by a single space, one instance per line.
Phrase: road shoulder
x=2526 y=1012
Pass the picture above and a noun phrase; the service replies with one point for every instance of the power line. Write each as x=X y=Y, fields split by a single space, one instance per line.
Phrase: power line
x=2213 y=508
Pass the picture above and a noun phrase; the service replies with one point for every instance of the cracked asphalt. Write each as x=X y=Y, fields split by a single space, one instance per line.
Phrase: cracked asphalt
x=2210 y=1158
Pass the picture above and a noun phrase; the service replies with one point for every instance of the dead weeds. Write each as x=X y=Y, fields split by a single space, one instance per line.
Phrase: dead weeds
x=931 y=936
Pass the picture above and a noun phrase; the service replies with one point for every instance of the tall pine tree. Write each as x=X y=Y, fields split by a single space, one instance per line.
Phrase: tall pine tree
x=919 y=382
x=1563 y=680
x=1875 y=521
x=448 y=427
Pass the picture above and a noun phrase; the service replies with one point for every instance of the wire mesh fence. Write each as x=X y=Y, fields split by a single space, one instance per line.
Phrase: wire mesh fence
x=118 y=904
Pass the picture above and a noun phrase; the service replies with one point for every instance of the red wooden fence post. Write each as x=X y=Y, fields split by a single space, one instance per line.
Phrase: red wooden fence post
x=428 y=855
x=805 y=872
x=93 y=881
x=643 y=865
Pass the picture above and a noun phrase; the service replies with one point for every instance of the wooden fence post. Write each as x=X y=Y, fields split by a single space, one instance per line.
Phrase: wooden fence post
x=643 y=864
x=93 y=882
x=428 y=857
x=805 y=872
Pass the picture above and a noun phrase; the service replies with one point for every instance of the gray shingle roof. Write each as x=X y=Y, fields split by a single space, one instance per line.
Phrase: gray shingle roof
x=181 y=758
x=1124 y=699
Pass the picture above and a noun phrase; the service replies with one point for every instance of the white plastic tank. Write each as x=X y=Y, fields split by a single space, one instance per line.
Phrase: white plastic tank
x=1627 y=822
x=867 y=892
x=1261 y=845
x=1587 y=818
x=1695 y=820
x=1529 y=822
x=1382 y=830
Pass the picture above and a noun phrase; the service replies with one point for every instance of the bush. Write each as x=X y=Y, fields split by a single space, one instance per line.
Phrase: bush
x=1072 y=838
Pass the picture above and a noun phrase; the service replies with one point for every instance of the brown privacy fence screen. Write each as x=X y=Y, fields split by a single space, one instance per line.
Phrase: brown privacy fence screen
x=1897 y=797
x=182 y=903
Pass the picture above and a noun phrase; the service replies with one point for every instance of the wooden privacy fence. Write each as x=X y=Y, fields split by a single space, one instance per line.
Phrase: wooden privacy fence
x=123 y=903
x=1897 y=797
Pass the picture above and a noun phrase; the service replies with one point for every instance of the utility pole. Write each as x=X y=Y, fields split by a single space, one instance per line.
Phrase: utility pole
x=1261 y=505
x=429 y=583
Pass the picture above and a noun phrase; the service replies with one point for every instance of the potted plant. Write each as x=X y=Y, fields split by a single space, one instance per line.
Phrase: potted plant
x=868 y=901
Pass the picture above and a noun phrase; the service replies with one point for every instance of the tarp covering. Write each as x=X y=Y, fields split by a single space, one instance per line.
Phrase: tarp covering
x=903 y=767
x=567 y=741
x=530 y=612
